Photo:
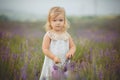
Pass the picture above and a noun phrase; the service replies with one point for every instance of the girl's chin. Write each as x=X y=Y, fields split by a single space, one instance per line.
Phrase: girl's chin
x=58 y=29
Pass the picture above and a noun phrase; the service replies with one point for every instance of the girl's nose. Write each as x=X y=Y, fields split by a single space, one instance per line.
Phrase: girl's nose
x=58 y=22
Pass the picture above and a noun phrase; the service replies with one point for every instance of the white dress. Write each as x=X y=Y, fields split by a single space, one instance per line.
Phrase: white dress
x=59 y=46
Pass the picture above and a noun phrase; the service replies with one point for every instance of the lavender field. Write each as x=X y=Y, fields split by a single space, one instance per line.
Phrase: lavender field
x=97 y=56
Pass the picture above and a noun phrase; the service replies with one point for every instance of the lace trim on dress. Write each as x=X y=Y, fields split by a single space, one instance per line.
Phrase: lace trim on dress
x=55 y=36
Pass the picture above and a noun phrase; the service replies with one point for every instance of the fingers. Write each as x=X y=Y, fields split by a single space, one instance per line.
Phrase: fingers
x=57 y=60
x=68 y=56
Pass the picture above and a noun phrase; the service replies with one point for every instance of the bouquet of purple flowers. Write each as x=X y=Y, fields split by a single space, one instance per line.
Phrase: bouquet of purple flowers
x=60 y=71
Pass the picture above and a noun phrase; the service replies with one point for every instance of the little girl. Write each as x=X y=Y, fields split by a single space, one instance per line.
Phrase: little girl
x=57 y=43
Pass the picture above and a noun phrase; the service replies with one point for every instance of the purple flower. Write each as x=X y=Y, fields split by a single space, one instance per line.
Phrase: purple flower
x=65 y=68
x=72 y=66
x=58 y=72
x=4 y=57
x=1 y=34
x=106 y=65
x=100 y=75
x=107 y=53
x=23 y=72
x=55 y=67
x=14 y=56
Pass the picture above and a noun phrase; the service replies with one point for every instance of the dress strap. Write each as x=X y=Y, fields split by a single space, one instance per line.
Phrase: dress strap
x=54 y=36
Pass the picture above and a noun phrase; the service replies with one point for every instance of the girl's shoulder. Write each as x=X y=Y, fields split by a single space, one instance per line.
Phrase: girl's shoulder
x=54 y=36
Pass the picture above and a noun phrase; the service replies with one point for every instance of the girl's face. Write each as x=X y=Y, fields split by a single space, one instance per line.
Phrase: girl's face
x=57 y=23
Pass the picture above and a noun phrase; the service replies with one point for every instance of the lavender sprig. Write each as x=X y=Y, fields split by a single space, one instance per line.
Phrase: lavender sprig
x=63 y=67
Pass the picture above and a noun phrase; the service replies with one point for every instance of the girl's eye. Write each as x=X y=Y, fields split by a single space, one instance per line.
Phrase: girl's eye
x=61 y=20
x=54 y=20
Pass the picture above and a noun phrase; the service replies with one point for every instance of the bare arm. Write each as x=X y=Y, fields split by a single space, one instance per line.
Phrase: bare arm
x=72 y=48
x=46 y=51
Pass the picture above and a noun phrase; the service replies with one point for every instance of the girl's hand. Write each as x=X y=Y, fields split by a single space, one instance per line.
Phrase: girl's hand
x=56 y=60
x=69 y=55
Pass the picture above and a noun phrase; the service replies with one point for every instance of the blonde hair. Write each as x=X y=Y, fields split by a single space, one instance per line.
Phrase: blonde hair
x=53 y=13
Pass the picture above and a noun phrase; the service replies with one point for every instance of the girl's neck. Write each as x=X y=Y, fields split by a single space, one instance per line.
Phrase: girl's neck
x=58 y=32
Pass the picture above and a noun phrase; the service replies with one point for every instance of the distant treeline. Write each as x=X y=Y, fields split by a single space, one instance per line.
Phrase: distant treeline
x=4 y=17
